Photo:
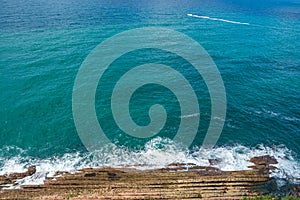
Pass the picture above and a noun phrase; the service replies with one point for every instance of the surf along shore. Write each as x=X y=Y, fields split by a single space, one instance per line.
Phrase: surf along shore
x=176 y=181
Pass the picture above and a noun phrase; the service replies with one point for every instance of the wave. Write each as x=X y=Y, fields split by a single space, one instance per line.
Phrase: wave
x=217 y=19
x=277 y=114
x=274 y=114
x=158 y=153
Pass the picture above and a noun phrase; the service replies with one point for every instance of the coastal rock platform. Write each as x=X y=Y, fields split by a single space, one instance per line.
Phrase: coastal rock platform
x=176 y=181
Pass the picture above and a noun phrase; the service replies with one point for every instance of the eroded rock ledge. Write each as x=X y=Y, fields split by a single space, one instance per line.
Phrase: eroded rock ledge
x=177 y=181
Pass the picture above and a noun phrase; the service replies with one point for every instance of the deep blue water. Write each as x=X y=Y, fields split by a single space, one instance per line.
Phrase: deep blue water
x=43 y=43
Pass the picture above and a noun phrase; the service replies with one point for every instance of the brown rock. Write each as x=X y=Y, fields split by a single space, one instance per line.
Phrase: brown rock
x=259 y=167
x=31 y=170
x=264 y=160
x=177 y=165
x=107 y=183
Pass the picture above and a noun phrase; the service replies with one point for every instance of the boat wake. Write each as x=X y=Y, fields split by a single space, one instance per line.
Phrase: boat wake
x=217 y=19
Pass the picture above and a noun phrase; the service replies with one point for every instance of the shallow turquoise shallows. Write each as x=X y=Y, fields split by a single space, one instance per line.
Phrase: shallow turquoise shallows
x=255 y=45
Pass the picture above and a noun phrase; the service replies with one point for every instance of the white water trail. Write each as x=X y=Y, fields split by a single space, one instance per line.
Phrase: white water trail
x=217 y=19
x=236 y=22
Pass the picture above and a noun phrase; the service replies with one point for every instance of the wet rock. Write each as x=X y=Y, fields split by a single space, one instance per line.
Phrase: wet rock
x=176 y=165
x=263 y=164
x=112 y=176
x=90 y=175
x=214 y=161
x=204 y=168
x=5 y=180
x=264 y=160
x=13 y=177
x=59 y=173
x=259 y=167
x=31 y=170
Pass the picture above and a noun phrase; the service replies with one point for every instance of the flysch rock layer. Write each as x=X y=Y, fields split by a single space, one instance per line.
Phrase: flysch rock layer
x=177 y=181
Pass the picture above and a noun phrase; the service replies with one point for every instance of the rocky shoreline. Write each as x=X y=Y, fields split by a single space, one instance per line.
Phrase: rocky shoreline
x=176 y=181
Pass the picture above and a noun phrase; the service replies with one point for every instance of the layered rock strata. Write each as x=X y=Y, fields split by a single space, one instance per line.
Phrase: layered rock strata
x=177 y=181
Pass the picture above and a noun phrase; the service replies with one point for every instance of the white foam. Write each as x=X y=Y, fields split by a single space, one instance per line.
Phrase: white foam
x=278 y=115
x=191 y=115
x=271 y=113
x=217 y=19
x=291 y=118
x=158 y=153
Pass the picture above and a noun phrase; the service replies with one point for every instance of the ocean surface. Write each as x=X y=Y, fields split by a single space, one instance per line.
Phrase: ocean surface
x=255 y=45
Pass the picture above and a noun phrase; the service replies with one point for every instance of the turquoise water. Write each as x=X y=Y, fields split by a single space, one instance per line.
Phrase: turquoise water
x=43 y=43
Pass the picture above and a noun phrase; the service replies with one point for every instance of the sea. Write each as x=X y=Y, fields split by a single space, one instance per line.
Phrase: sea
x=254 y=44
